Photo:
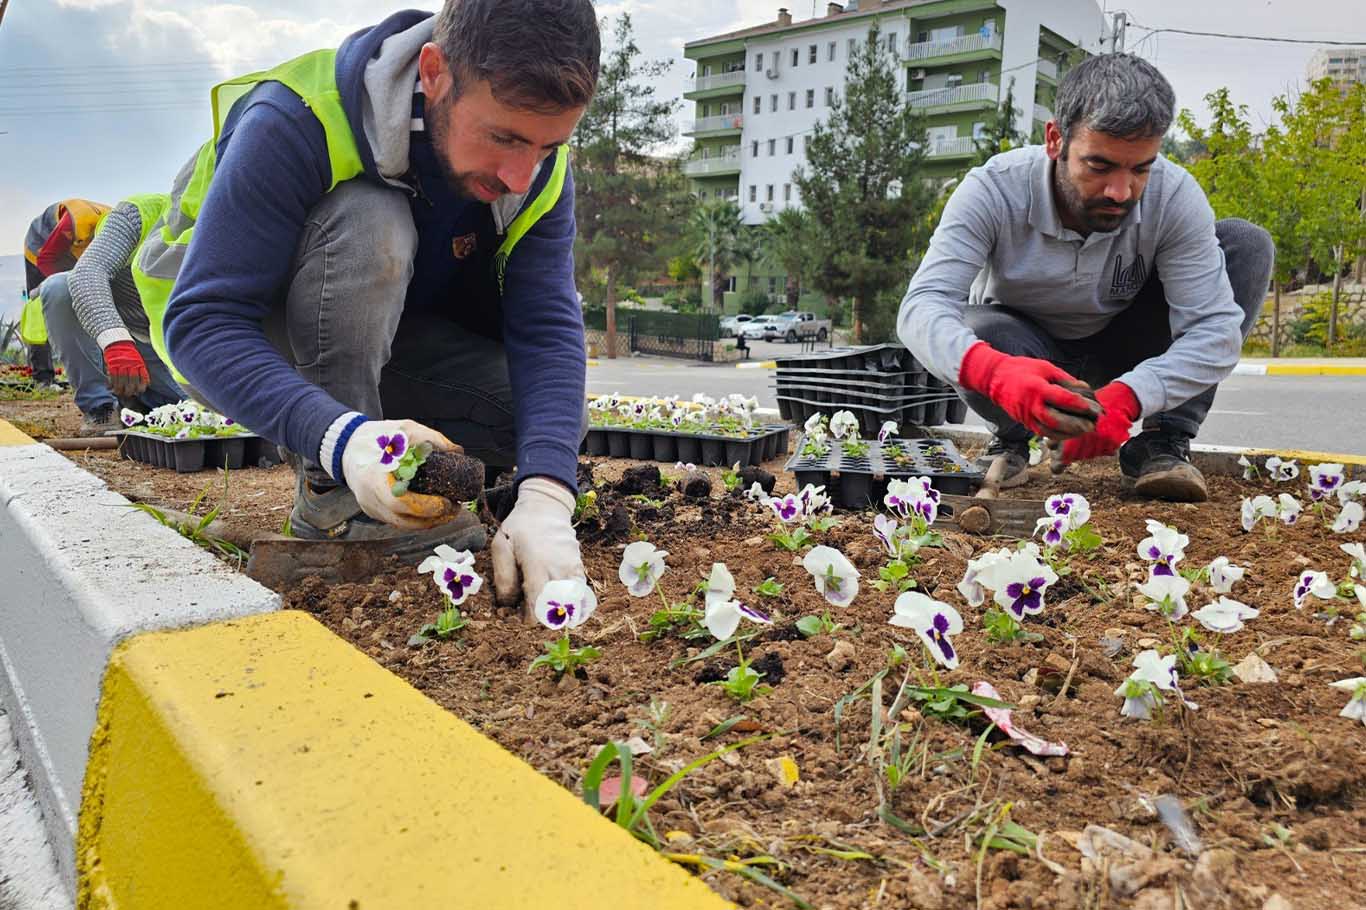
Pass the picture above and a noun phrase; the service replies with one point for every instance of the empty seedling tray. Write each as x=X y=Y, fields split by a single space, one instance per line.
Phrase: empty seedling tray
x=860 y=482
x=186 y=456
x=694 y=448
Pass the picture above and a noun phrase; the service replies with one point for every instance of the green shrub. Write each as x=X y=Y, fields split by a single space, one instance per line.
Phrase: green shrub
x=755 y=302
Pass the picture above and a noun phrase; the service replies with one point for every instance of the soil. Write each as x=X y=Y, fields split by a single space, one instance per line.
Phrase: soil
x=459 y=478
x=1272 y=778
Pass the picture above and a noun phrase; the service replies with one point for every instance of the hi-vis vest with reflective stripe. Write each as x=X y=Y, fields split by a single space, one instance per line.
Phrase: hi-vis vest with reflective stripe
x=313 y=78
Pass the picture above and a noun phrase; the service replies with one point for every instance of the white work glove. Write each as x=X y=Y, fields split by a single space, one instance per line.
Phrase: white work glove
x=536 y=543
x=372 y=453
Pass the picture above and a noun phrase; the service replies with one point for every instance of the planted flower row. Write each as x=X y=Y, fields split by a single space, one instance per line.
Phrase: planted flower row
x=182 y=420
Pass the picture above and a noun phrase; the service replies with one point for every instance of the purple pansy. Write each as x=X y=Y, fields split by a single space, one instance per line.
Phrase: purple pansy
x=391 y=447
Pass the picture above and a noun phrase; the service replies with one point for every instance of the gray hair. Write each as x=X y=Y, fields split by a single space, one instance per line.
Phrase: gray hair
x=1117 y=94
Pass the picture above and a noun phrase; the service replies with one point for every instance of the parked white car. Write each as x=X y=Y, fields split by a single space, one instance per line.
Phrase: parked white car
x=758 y=327
x=730 y=325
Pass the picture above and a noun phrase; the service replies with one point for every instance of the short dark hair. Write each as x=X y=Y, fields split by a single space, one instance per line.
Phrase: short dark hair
x=1116 y=94
x=540 y=55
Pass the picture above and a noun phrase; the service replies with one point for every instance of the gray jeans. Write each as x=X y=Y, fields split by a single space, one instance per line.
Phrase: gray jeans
x=85 y=361
x=344 y=328
x=1137 y=334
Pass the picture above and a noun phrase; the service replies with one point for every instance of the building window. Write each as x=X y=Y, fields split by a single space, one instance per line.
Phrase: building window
x=768 y=192
x=830 y=51
x=773 y=103
x=922 y=37
x=829 y=95
x=791 y=101
x=772 y=284
x=772 y=146
x=853 y=46
x=954 y=80
x=789 y=145
x=811 y=97
x=811 y=54
x=787 y=192
x=891 y=42
x=796 y=56
x=753 y=193
x=730 y=284
x=754 y=149
x=758 y=63
x=758 y=104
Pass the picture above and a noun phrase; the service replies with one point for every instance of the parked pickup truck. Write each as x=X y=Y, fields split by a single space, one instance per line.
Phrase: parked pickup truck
x=794 y=326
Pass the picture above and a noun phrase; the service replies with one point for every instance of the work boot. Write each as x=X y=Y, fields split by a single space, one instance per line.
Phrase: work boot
x=324 y=510
x=98 y=422
x=1016 y=454
x=1159 y=464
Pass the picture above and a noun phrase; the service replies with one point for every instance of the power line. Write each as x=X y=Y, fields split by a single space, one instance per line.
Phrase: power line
x=1274 y=40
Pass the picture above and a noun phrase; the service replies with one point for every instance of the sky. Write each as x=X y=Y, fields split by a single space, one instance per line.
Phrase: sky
x=105 y=98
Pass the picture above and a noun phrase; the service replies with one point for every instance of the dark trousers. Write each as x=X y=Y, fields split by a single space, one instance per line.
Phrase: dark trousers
x=1140 y=332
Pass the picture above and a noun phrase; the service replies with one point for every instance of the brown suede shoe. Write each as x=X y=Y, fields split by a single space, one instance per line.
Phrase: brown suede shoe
x=1159 y=466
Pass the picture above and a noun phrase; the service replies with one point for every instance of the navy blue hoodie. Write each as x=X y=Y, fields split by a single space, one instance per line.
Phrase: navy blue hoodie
x=272 y=170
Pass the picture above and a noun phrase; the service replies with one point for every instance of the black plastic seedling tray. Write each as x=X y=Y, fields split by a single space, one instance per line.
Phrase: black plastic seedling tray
x=186 y=456
x=881 y=382
x=860 y=482
x=801 y=407
x=694 y=448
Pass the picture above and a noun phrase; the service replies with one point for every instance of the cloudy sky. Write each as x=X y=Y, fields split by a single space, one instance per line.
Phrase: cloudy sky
x=105 y=98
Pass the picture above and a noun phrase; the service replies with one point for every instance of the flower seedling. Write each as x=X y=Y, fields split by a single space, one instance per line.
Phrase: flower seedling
x=742 y=682
x=453 y=572
x=1349 y=517
x=812 y=625
x=1222 y=575
x=1002 y=628
x=730 y=477
x=1166 y=594
x=585 y=506
x=1208 y=667
x=1163 y=548
x=1324 y=480
x=1314 y=583
x=405 y=461
x=1143 y=690
x=641 y=568
x=769 y=587
x=565 y=604
x=887 y=431
x=798 y=512
x=1356 y=705
x=834 y=575
x=722 y=619
x=1067 y=524
x=933 y=621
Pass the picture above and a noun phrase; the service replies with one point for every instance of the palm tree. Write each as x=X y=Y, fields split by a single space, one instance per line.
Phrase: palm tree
x=785 y=246
x=716 y=232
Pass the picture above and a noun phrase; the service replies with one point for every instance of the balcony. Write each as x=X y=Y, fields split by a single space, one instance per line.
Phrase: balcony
x=1048 y=69
x=734 y=80
x=719 y=123
x=728 y=162
x=951 y=148
x=1042 y=114
x=967 y=44
x=977 y=94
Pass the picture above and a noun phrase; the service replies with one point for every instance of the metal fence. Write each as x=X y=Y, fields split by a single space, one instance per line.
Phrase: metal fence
x=691 y=335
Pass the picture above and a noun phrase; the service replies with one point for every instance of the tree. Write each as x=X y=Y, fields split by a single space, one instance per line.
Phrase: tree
x=786 y=245
x=718 y=242
x=862 y=184
x=1000 y=134
x=626 y=202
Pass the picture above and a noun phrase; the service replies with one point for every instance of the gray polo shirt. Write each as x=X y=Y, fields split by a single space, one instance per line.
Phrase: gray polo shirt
x=1000 y=240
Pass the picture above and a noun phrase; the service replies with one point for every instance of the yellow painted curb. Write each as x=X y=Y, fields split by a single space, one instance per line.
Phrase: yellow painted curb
x=1311 y=458
x=1313 y=369
x=9 y=436
x=592 y=363
x=265 y=763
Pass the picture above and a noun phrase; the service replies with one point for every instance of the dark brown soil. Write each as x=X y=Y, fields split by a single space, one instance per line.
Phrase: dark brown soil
x=1273 y=780
x=459 y=478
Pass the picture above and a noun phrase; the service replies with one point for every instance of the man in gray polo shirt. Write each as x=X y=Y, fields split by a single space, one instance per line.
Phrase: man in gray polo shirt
x=1090 y=258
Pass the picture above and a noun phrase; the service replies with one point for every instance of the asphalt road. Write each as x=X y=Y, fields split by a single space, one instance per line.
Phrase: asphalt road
x=1318 y=413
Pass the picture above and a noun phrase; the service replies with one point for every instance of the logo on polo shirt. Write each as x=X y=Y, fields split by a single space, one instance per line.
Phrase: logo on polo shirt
x=461 y=247
x=1125 y=282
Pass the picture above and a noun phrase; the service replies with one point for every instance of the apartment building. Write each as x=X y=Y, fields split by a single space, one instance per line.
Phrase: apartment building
x=1344 y=65
x=759 y=91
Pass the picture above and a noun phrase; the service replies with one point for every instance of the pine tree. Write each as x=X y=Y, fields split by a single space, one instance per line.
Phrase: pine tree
x=1000 y=134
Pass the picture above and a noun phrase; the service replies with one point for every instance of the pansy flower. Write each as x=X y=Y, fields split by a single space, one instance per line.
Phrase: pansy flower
x=720 y=583
x=453 y=572
x=814 y=500
x=1072 y=506
x=1249 y=469
x=130 y=418
x=1019 y=581
x=1053 y=528
x=887 y=430
x=1152 y=674
x=722 y=617
x=641 y=567
x=971 y=587
x=1224 y=574
x=1288 y=508
x=1358 y=554
x=1282 y=471
x=1166 y=594
x=1352 y=489
x=1349 y=519
x=885 y=529
x=1164 y=547
x=835 y=576
x=1255 y=509
x=1315 y=583
x=391 y=446
x=788 y=508
x=1324 y=479
x=844 y=425
x=1224 y=616
x=1356 y=705
x=933 y=621
x=565 y=604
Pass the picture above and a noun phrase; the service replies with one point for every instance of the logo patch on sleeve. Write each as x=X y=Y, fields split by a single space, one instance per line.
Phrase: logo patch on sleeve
x=462 y=247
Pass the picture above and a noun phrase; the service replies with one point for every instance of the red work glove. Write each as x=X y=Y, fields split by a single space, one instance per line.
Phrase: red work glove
x=1029 y=390
x=127 y=372
x=1112 y=429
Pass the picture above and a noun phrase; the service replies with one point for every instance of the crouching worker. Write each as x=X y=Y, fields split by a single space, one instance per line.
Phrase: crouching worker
x=52 y=244
x=1092 y=258
x=111 y=344
x=383 y=240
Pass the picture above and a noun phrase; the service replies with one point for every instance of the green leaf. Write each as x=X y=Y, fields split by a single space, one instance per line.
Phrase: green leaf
x=723 y=727
x=810 y=626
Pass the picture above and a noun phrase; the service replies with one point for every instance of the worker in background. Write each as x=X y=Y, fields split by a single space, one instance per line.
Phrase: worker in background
x=111 y=346
x=55 y=240
x=383 y=242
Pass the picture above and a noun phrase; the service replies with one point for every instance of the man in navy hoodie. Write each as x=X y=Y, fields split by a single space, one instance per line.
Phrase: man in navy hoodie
x=383 y=244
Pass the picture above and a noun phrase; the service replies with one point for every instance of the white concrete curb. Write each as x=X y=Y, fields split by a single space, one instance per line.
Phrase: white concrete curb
x=79 y=571
x=1249 y=369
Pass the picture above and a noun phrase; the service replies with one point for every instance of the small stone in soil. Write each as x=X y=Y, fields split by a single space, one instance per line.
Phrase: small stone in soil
x=841 y=656
x=457 y=477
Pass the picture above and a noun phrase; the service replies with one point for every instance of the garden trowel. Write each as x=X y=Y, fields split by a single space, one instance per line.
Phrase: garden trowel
x=986 y=514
